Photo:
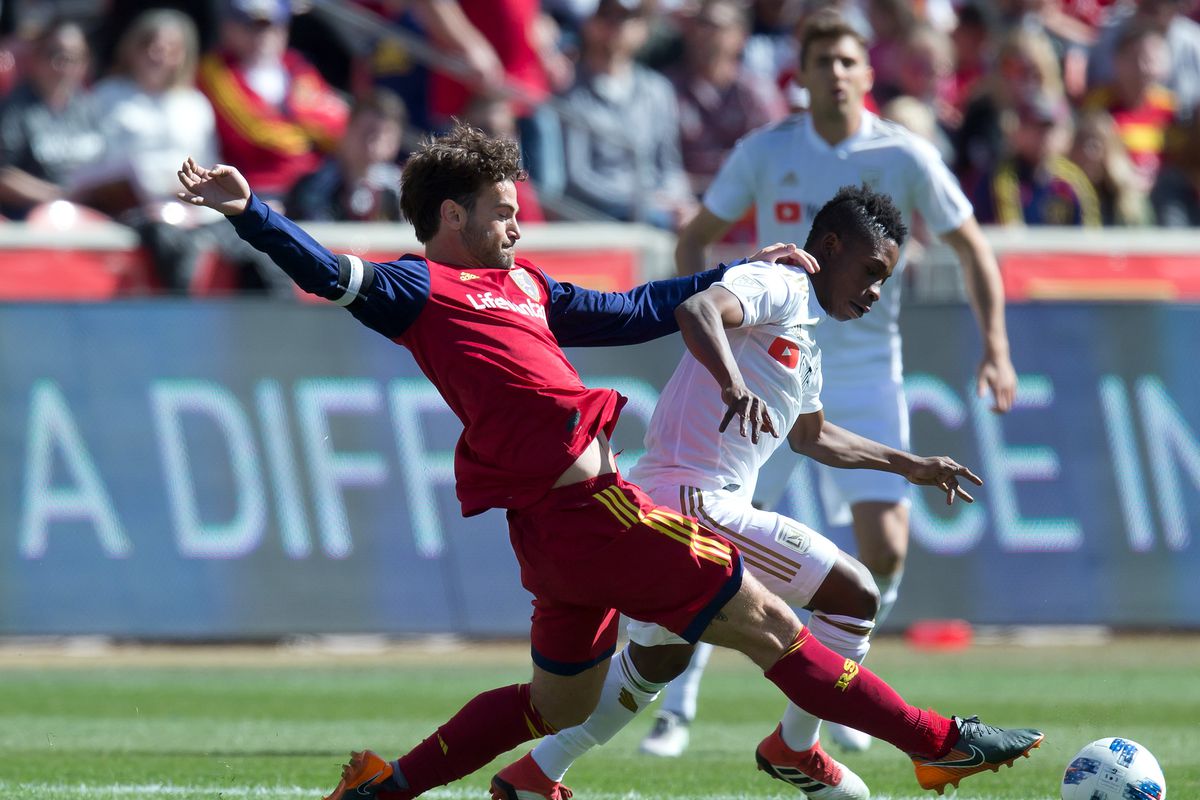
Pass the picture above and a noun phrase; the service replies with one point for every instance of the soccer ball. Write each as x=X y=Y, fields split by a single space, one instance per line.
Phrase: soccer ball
x=1114 y=769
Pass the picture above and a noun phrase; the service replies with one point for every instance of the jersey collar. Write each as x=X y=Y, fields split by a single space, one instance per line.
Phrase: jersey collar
x=820 y=145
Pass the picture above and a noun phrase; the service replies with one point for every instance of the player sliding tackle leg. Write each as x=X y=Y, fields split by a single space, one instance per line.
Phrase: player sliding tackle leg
x=588 y=542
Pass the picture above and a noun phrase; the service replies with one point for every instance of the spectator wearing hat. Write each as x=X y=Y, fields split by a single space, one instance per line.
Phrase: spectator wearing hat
x=1035 y=183
x=276 y=116
x=622 y=140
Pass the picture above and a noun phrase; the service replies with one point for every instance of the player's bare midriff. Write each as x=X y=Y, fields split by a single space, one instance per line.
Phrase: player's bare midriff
x=596 y=459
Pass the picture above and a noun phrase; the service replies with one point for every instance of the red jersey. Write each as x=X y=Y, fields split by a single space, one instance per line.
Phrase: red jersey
x=484 y=341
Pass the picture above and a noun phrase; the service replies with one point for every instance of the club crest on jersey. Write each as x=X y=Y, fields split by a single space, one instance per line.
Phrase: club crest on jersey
x=467 y=276
x=526 y=283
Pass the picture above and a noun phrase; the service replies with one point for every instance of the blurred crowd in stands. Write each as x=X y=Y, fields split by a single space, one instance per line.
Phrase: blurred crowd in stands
x=1058 y=112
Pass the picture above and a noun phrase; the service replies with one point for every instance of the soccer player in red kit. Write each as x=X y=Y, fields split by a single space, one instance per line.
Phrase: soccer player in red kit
x=487 y=329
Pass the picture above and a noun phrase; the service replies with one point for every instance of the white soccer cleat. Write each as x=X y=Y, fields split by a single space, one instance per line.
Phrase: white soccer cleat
x=668 y=738
x=848 y=738
x=814 y=772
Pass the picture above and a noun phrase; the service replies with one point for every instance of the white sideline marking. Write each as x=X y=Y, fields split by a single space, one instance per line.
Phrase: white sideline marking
x=133 y=790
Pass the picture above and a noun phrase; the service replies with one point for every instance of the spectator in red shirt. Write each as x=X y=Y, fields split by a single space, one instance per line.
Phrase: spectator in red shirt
x=276 y=115
x=1141 y=105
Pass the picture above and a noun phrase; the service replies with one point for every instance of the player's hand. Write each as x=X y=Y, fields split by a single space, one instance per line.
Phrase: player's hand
x=997 y=375
x=943 y=472
x=790 y=254
x=221 y=188
x=750 y=410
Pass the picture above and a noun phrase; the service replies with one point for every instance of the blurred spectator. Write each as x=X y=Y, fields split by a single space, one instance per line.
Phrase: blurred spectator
x=926 y=72
x=1141 y=106
x=1035 y=183
x=1168 y=17
x=151 y=114
x=361 y=180
x=891 y=22
x=1069 y=36
x=503 y=42
x=1100 y=153
x=152 y=118
x=973 y=54
x=47 y=124
x=719 y=102
x=1176 y=194
x=494 y=115
x=276 y=115
x=1025 y=68
x=770 y=50
x=622 y=147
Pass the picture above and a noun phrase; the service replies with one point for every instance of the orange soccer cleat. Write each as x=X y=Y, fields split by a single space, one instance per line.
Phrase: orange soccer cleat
x=362 y=777
x=979 y=747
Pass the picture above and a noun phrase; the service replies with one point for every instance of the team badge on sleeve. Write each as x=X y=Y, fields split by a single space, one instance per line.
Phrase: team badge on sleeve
x=526 y=283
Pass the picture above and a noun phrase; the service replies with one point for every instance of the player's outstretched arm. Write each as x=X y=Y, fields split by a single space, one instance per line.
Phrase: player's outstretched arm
x=832 y=445
x=582 y=317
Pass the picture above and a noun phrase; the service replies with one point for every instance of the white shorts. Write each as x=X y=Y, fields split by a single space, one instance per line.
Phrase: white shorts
x=788 y=557
x=877 y=411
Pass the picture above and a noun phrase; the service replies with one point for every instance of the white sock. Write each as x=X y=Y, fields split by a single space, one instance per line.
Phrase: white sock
x=847 y=636
x=682 y=692
x=889 y=590
x=624 y=695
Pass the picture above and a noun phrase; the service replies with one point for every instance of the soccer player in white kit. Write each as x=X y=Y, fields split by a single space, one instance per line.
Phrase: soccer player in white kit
x=771 y=363
x=786 y=171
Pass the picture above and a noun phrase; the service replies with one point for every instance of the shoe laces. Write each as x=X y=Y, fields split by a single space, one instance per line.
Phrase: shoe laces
x=971 y=727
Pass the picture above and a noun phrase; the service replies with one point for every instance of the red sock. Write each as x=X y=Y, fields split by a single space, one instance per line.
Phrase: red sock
x=835 y=688
x=492 y=723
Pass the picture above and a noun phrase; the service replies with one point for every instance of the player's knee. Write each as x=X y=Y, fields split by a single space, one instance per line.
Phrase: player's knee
x=662 y=663
x=862 y=599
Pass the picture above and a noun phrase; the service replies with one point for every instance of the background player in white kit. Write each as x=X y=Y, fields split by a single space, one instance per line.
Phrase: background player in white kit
x=768 y=368
x=787 y=171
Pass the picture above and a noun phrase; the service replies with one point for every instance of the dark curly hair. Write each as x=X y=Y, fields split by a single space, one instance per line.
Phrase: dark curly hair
x=858 y=211
x=454 y=166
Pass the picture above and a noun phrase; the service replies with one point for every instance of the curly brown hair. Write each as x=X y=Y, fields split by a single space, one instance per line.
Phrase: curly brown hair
x=454 y=166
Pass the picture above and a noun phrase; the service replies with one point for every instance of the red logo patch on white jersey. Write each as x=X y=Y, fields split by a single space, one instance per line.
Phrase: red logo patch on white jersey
x=784 y=351
x=788 y=211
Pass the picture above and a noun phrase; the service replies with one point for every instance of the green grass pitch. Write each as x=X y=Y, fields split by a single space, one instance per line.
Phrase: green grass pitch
x=233 y=723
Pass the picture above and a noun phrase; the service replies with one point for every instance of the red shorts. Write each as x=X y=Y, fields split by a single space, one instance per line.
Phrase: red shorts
x=591 y=549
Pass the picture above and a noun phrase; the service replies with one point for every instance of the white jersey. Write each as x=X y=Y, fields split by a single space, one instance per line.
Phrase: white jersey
x=787 y=172
x=779 y=361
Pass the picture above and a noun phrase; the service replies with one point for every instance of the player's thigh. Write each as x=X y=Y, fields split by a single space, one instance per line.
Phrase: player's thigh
x=790 y=559
x=881 y=532
x=567 y=700
x=755 y=622
x=879 y=412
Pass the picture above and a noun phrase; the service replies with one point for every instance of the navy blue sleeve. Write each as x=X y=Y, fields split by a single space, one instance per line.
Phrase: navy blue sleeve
x=588 y=318
x=384 y=297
